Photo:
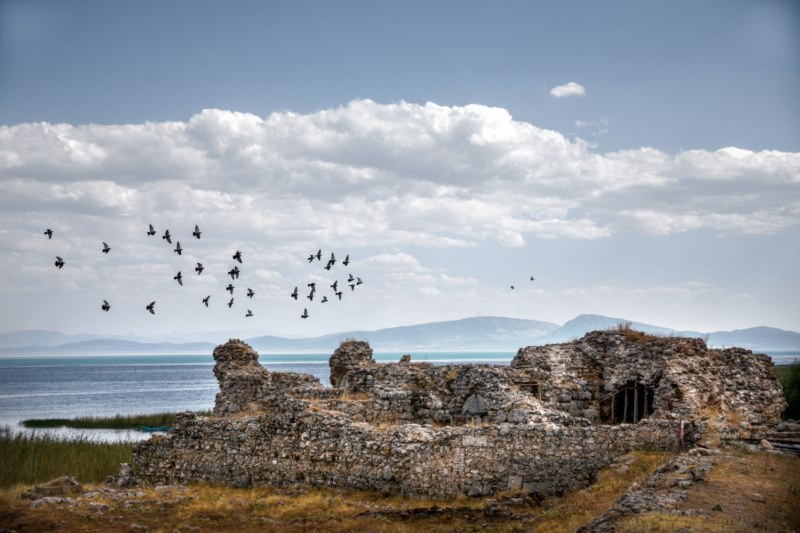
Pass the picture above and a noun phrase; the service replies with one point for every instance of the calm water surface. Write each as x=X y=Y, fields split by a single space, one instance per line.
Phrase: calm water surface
x=74 y=386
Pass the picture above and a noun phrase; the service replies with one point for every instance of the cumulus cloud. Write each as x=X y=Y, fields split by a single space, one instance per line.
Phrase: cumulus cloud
x=368 y=174
x=568 y=89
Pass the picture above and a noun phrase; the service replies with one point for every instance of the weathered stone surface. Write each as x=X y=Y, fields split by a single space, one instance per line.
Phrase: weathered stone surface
x=350 y=355
x=441 y=431
x=62 y=486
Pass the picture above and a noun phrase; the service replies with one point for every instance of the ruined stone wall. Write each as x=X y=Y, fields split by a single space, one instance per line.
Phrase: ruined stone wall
x=684 y=376
x=328 y=449
x=442 y=431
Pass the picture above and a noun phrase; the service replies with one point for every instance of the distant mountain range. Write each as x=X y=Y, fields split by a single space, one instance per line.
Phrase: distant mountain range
x=468 y=334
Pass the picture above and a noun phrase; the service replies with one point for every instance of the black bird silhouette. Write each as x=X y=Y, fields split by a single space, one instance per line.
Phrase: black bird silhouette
x=313 y=286
x=359 y=282
x=230 y=288
x=59 y=262
x=351 y=278
x=352 y=286
x=512 y=287
x=311 y=296
x=105 y=307
x=230 y=304
x=151 y=307
x=106 y=248
x=49 y=233
x=179 y=277
x=310 y=258
x=196 y=232
x=178 y=248
x=250 y=293
x=199 y=268
x=294 y=294
x=335 y=284
x=305 y=313
x=319 y=255
x=249 y=313
x=532 y=278
x=324 y=299
x=151 y=231
x=205 y=300
x=167 y=237
x=332 y=260
x=346 y=260
x=339 y=294
x=234 y=272
x=238 y=256
x=328 y=266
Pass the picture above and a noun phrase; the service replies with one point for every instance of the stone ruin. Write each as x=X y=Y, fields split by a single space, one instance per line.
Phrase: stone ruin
x=545 y=424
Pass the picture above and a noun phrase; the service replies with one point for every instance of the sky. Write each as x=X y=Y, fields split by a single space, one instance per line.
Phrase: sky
x=639 y=159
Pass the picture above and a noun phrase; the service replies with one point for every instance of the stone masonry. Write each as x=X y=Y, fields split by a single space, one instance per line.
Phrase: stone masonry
x=545 y=424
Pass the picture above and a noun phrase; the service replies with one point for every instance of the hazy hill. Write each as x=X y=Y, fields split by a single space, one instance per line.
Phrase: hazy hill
x=473 y=334
x=468 y=334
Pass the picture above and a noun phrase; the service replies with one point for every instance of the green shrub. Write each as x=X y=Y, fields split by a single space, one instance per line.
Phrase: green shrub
x=790 y=379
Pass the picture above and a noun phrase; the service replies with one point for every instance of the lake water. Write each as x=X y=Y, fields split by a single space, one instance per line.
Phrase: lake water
x=74 y=386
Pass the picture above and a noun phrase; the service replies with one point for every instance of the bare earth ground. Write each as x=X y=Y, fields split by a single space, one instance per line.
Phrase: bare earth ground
x=744 y=491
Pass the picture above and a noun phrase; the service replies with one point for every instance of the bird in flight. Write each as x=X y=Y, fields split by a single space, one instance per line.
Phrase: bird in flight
x=196 y=232
x=294 y=294
x=178 y=248
x=532 y=278
x=319 y=255
x=229 y=288
x=311 y=296
x=334 y=285
x=106 y=248
x=305 y=313
x=238 y=256
x=249 y=313
x=350 y=279
x=339 y=294
x=313 y=286
x=205 y=300
x=324 y=299
x=179 y=277
x=331 y=262
x=352 y=286
x=167 y=237
x=234 y=272
x=151 y=307
x=49 y=233
x=230 y=304
x=105 y=306
x=151 y=231
x=346 y=260
x=310 y=258
x=250 y=293
x=59 y=262
x=199 y=268
x=359 y=282
x=512 y=287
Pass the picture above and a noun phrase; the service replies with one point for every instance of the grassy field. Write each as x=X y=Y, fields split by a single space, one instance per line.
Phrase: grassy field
x=29 y=459
x=113 y=422
x=746 y=491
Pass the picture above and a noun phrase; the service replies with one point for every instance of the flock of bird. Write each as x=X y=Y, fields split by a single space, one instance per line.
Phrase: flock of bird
x=234 y=273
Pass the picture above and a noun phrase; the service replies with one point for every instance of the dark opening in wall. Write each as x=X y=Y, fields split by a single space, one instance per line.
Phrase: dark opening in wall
x=627 y=405
x=532 y=387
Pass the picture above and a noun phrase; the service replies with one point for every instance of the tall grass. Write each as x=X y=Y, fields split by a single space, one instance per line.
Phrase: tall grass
x=789 y=376
x=31 y=458
x=109 y=422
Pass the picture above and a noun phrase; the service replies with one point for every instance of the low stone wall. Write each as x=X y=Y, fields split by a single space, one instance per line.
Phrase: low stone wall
x=328 y=449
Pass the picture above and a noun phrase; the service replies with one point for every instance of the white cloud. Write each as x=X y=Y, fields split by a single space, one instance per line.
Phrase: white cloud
x=568 y=89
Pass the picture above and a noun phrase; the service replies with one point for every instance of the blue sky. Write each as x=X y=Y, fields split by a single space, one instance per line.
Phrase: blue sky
x=426 y=137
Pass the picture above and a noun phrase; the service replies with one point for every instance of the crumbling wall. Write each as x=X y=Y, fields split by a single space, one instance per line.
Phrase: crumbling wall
x=441 y=431
x=328 y=449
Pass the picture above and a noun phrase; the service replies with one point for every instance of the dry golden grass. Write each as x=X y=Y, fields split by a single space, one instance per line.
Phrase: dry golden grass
x=775 y=481
x=746 y=491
